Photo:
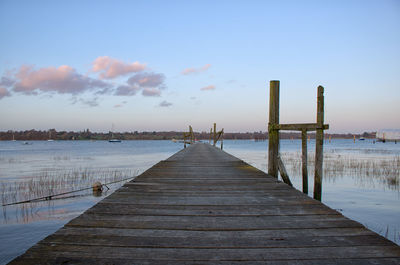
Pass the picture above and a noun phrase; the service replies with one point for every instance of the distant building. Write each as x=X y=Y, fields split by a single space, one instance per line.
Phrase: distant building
x=388 y=135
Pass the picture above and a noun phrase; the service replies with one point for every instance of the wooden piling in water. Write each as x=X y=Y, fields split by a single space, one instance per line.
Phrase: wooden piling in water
x=273 y=134
x=304 y=160
x=319 y=143
x=215 y=134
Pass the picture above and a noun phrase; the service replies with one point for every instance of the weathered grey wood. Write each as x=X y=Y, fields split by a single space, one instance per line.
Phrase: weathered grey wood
x=273 y=134
x=217 y=242
x=269 y=233
x=222 y=254
x=304 y=169
x=215 y=134
x=300 y=127
x=319 y=143
x=284 y=174
x=204 y=206
x=212 y=210
x=127 y=261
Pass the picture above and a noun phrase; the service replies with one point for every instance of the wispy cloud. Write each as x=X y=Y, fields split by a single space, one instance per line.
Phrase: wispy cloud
x=189 y=71
x=151 y=92
x=110 y=68
x=151 y=85
x=207 y=88
x=165 y=104
x=4 y=92
x=6 y=81
x=147 y=80
x=120 y=105
x=127 y=90
x=88 y=102
x=63 y=80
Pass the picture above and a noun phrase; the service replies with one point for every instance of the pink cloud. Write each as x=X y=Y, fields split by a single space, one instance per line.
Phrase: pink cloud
x=111 y=68
x=4 y=92
x=188 y=71
x=206 y=88
x=151 y=92
x=63 y=80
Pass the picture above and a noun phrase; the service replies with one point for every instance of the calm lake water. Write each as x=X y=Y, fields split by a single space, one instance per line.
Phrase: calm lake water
x=361 y=180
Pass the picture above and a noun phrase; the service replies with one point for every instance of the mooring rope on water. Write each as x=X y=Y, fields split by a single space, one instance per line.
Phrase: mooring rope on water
x=49 y=197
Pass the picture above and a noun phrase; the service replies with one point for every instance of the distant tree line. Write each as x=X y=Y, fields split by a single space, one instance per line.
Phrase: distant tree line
x=30 y=135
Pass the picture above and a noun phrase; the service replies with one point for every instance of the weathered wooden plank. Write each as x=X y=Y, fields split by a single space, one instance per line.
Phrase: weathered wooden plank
x=212 y=223
x=126 y=261
x=210 y=200
x=300 y=127
x=211 y=210
x=198 y=186
x=214 y=242
x=207 y=181
x=270 y=233
x=153 y=190
x=189 y=254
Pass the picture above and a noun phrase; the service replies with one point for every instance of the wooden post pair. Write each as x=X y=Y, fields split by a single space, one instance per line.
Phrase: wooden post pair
x=274 y=161
x=217 y=136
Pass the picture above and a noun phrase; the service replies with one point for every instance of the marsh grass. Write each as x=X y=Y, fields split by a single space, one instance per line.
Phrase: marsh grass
x=385 y=169
x=51 y=182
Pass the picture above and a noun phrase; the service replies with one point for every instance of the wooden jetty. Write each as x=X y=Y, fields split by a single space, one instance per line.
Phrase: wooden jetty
x=204 y=206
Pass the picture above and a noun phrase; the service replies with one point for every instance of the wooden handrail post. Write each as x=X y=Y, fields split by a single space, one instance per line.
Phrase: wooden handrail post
x=215 y=134
x=273 y=133
x=304 y=160
x=319 y=143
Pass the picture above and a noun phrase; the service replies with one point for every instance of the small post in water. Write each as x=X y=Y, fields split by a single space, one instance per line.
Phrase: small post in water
x=304 y=160
x=215 y=134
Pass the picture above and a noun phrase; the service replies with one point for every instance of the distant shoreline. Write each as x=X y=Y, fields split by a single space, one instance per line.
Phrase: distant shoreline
x=33 y=135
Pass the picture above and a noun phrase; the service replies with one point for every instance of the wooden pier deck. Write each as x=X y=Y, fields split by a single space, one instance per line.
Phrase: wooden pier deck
x=204 y=206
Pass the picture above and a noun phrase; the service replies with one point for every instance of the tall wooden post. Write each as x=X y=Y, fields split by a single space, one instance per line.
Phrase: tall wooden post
x=215 y=134
x=319 y=143
x=273 y=133
x=222 y=139
x=304 y=160
x=210 y=135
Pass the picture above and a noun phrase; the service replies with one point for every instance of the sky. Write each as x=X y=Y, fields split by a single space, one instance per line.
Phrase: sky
x=165 y=65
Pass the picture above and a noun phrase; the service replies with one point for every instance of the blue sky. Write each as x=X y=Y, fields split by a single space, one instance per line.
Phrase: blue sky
x=162 y=65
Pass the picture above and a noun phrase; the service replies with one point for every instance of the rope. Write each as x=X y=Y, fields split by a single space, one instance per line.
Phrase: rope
x=49 y=197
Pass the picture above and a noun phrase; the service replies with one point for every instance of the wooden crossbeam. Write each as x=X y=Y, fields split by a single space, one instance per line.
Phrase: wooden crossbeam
x=298 y=127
